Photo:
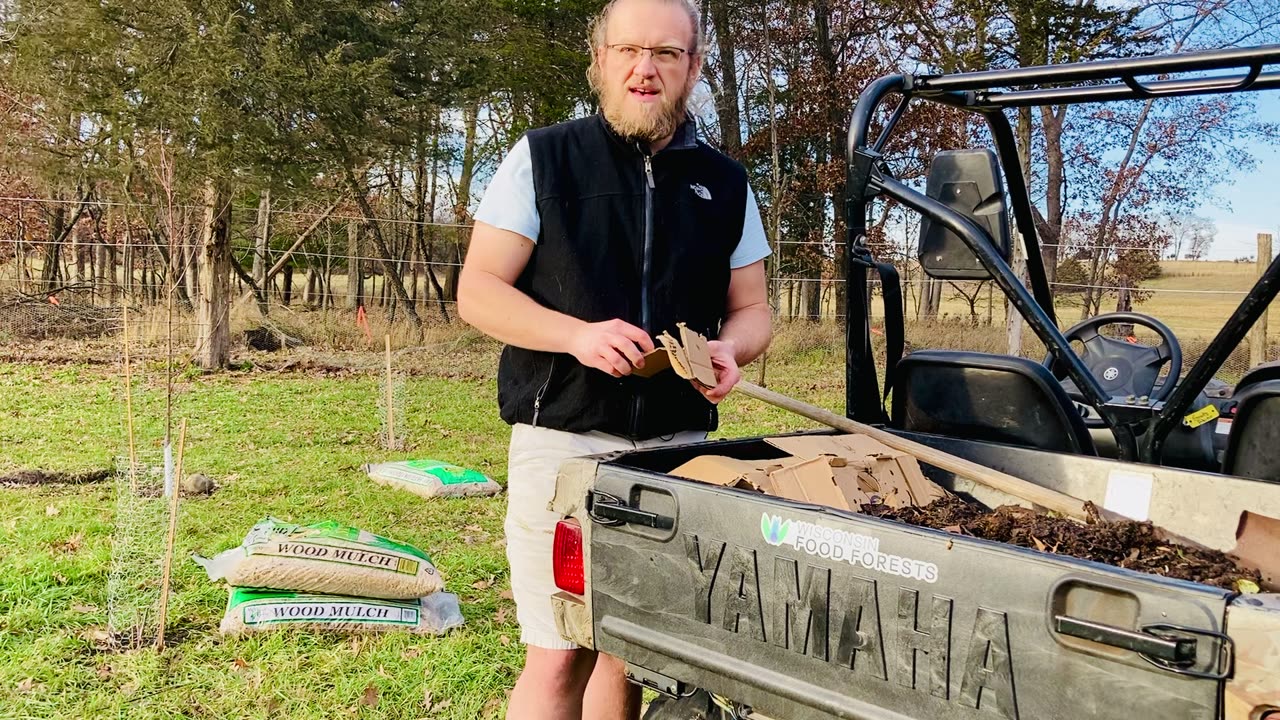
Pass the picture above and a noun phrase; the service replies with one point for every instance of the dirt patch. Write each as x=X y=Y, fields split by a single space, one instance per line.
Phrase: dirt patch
x=1127 y=544
x=47 y=477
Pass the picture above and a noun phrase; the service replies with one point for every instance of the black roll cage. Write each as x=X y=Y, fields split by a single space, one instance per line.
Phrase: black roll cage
x=989 y=94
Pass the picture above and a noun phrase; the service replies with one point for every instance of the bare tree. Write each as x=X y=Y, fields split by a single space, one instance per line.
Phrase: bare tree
x=1190 y=232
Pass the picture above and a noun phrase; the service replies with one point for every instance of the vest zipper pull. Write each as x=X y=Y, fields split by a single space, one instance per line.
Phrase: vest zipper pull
x=648 y=171
x=537 y=399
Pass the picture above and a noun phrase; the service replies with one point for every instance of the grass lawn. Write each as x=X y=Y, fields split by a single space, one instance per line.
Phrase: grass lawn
x=289 y=444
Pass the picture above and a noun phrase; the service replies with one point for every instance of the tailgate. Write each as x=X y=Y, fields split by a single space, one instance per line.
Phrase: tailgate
x=808 y=612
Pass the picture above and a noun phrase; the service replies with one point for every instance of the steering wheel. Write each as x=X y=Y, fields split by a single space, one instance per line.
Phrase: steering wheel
x=1125 y=368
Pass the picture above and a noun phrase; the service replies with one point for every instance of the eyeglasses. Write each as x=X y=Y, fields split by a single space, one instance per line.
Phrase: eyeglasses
x=664 y=55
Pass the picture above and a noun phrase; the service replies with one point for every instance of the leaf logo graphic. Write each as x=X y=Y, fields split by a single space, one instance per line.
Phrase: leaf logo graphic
x=774 y=528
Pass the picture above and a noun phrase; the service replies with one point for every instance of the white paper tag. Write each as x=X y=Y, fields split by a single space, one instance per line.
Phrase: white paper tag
x=1129 y=494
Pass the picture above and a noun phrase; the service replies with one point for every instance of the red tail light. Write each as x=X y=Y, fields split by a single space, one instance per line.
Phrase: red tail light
x=567 y=558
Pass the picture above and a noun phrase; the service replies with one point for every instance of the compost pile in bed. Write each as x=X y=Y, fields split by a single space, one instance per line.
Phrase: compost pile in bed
x=1125 y=543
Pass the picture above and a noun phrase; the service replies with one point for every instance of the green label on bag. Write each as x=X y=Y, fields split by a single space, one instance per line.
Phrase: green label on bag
x=339 y=555
x=272 y=529
x=447 y=474
x=258 y=608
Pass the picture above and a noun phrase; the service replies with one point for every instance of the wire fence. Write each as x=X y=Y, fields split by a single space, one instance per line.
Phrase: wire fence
x=330 y=289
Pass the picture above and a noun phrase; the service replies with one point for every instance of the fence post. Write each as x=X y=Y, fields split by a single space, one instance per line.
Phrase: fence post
x=1258 y=335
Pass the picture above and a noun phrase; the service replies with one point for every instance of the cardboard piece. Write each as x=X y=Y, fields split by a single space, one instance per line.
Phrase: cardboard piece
x=655 y=361
x=840 y=471
x=891 y=475
x=1257 y=539
x=809 y=481
x=689 y=357
x=726 y=471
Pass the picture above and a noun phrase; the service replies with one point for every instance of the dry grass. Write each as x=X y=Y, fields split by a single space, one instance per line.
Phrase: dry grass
x=1193 y=298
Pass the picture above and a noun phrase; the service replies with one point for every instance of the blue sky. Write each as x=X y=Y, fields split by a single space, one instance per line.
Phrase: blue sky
x=1254 y=197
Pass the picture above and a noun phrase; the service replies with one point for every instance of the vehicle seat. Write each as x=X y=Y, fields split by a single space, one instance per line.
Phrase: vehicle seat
x=1255 y=429
x=993 y=398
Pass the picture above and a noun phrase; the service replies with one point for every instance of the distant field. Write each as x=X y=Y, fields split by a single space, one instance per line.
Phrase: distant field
x=1192 y=298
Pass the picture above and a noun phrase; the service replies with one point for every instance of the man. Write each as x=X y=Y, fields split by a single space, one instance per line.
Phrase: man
x=593 y=237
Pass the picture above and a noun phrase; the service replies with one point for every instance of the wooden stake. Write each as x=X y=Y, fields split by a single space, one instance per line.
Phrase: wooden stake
x=1029 y=491
x=391 y=411
x=128 y=405
x=1258 y=335
x=170 y=537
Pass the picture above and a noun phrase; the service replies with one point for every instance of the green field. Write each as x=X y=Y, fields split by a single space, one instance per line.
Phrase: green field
x=289 y=444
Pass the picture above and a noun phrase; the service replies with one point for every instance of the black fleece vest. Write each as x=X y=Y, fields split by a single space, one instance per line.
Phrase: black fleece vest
x=647 y=242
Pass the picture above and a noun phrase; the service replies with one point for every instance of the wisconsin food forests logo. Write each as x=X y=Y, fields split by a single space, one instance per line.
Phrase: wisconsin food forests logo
x=843 y=546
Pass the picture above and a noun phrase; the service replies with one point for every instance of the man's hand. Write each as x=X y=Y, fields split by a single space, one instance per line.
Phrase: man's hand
x=726 y=367
x=613 y=346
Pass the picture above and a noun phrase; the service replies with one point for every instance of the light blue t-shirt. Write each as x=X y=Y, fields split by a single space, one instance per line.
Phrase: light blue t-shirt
x=509 y=204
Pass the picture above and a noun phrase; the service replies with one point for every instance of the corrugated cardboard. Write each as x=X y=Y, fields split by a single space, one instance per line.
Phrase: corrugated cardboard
x=655 y=361
x=727 y=471
x=840 y=471
x=1257 y=543
x=896 y=475
x=689 y=357
x=809 y=481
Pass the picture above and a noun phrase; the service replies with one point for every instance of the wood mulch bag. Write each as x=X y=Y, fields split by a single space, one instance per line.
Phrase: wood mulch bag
x=325 y=557
x=432 y=478
x=251 y=611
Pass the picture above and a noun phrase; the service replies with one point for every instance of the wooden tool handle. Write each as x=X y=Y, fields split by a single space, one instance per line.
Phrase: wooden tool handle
x=1029 y=491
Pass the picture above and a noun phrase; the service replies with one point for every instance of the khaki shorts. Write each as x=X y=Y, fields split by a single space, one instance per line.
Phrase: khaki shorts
x=532 y=464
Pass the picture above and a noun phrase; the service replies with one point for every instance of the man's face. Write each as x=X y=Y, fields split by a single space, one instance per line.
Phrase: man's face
x=644 y=93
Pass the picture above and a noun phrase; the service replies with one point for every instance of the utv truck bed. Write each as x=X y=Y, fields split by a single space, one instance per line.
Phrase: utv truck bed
x=803 y=611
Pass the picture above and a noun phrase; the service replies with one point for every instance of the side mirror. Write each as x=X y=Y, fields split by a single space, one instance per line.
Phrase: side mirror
x=969 y=182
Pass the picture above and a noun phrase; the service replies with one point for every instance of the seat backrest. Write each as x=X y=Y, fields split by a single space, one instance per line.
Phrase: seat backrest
x=1255 y=432
x=994 y=398
x=1259 y=373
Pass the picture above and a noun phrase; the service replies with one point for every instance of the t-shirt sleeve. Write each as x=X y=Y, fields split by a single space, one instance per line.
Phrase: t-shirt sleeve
x=753 y=245
x=509 y=201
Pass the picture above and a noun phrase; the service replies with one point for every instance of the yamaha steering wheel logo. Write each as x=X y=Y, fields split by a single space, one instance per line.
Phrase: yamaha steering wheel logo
x=1110 y=374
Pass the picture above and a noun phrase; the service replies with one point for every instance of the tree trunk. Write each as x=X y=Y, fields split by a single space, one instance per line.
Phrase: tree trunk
x=106 y=272
x=312 y=290
x=727 y=99
x=355 y=270
x=98 y=260
x=51 y=262
x=213 y=321
x=932 y=298
x=190 y=253
x=261 y=239
x=389 y=273
x=1013 y=319
x=78 y=252
x=1052 y=120
x=837 y=127
x=813 y=300
x=126 y=276
x=460 y=212
x=428 y=249
x=286 y=291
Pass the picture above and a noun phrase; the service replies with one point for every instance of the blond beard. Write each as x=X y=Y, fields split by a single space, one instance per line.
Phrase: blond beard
x=646 y=123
